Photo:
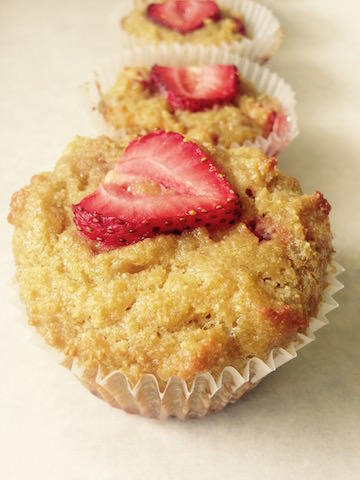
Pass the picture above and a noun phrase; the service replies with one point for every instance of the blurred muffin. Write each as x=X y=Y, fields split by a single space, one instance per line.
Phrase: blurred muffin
x=242 y=26
x=210 y=103
x=185 y=21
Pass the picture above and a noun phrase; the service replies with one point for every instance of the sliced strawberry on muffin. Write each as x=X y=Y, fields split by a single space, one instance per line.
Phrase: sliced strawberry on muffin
x=183 y=16
x=196 y=88
x=240 y=26
x=162 y=184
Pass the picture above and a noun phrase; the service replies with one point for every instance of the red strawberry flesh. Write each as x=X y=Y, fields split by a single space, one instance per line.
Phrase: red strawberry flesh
x=277 y=123
x=240 y=26
x=162 y=184
x=183 y=16
x=196 y=88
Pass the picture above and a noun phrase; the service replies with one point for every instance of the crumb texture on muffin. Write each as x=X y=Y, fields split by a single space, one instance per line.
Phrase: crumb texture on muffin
x=173 y=305
x=131 y=105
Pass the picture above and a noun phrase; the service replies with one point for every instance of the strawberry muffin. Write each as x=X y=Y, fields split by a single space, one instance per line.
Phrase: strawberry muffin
x=185 y=21
x=209 y=103
x=165 y=257
x=242 y=26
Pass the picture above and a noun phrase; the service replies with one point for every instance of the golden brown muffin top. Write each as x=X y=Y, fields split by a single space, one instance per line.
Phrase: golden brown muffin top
x=174 y=304
x=217 y=32
x=131 y=105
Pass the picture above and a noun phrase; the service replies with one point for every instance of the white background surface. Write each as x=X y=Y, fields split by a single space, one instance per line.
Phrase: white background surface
x=301 y=422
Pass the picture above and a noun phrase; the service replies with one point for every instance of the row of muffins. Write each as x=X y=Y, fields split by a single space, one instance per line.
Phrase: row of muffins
x=169 y=262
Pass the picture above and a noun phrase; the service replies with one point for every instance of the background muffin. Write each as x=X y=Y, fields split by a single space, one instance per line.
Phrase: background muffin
x=145 y=99
x=241 y=26
x=126 y=97
x=185 y=22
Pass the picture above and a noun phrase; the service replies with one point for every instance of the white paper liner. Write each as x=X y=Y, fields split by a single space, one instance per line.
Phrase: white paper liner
x=264 y=29
x=206 y=395
x=262 y=78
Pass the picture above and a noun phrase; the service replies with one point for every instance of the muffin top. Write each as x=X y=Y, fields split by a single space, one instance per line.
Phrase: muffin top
x=188 y=21
x=177 y=304
x=144 y=99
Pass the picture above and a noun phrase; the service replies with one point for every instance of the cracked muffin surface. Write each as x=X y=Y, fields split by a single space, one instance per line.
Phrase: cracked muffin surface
x=172 y=305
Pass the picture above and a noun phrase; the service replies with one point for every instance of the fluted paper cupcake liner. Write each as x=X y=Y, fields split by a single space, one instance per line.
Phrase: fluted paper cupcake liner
x=264 y=29
x=206 y=394
x=262 y=78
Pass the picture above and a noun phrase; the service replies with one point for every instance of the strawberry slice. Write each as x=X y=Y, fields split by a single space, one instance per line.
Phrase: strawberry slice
x=276 y=122
x=196 y=88
x=183 y=15
x=240 y=26
x=162 y=184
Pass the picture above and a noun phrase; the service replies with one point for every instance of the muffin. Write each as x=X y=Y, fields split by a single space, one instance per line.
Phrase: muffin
x=216 y=98
x=185 y=21
x=207 y=103
x=242 y=26
x=167 y=271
